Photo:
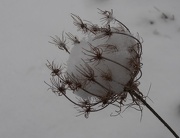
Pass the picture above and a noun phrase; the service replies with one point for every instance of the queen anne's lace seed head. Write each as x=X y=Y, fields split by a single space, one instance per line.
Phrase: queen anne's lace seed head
x=103 y=68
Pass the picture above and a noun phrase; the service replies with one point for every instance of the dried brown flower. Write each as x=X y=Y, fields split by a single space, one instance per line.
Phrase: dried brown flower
x=56 y=70
x=79 y=23
x=60 y=42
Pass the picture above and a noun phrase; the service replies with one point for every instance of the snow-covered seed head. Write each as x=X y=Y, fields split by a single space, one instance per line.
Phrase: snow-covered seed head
x=103 y=68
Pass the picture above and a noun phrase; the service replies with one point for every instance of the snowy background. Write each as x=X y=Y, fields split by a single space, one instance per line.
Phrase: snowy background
x=28 y=110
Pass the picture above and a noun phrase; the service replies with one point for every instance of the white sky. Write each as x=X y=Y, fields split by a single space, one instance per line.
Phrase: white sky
x=28 y=110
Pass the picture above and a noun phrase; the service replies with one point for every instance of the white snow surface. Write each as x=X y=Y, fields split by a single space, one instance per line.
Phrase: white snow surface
x=28 y=110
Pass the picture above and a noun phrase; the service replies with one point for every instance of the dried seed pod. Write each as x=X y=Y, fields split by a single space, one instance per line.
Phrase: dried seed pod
x=103 y=66
x=115 y=74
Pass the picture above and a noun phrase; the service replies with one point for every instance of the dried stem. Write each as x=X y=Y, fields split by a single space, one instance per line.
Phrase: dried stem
x=155 y=113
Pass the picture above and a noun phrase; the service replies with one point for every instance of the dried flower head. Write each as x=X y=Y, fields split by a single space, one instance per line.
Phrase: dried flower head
x=86 y=71
x=56 y=70
x=106 y=75
x=79 y=23
x=85 y=110
x=76 y=82
x=105 y=33
x=57 y=86
x=108 y=82
x=99 y=84
x=60 y=42
x=108 y=16
x=94 y=28
x=94 y=54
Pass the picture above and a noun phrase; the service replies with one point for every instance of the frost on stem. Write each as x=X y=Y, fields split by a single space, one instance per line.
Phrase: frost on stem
x=103 y=68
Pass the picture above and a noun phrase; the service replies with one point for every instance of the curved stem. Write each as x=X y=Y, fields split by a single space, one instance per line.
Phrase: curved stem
x=156 y=114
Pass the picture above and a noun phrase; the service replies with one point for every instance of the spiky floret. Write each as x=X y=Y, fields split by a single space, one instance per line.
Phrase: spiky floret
x=60 y=42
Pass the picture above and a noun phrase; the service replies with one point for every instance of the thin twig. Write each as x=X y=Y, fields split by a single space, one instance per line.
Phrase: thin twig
x=156 y=114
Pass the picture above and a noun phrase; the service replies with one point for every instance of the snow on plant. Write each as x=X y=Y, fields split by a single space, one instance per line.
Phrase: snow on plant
x=103 y=68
